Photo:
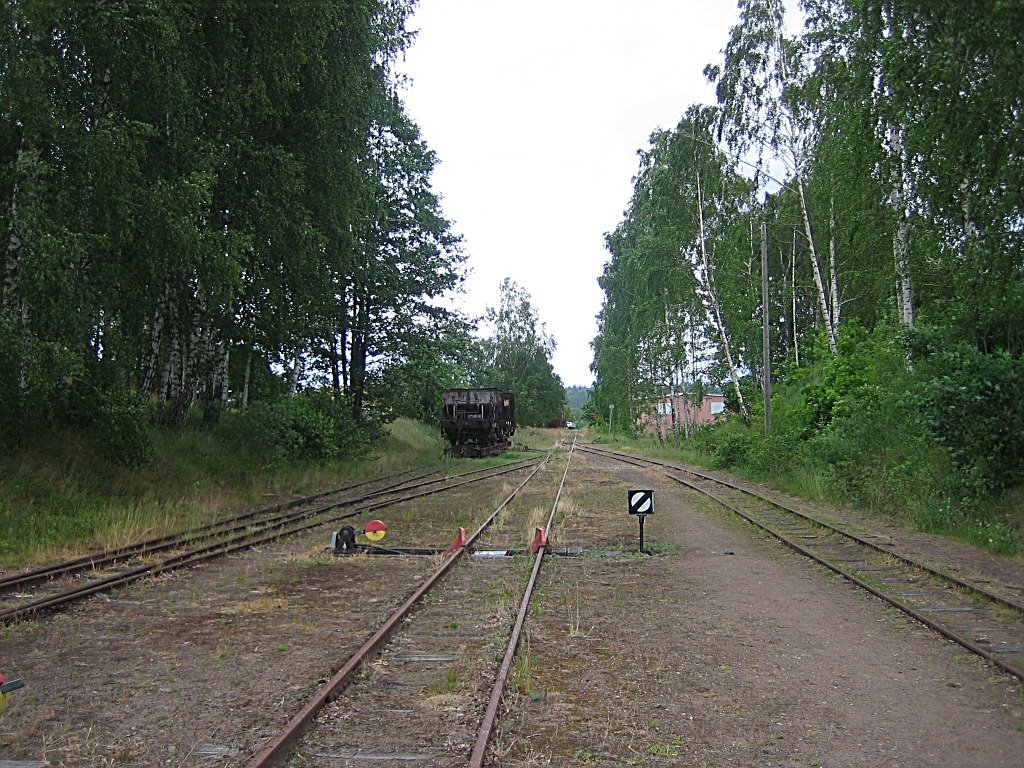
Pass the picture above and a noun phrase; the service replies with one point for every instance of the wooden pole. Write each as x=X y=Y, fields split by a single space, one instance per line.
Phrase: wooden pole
x=764 y=332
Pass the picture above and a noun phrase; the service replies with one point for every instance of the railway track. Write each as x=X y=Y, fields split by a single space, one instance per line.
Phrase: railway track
x=306 y=729
x=180 y=539
x=64 y=581
x=968 y=612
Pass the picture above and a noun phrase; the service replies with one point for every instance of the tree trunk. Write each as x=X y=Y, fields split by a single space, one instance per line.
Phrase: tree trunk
x=168 y=380
x=245 y=381
x=295 y=373
x=225 y=388
x=357 y=374
x=153 y=356
x=833 y=267
x=716 y=309
x=826 y=316
x=898 y=198
x=335 y=364
x=792 y=285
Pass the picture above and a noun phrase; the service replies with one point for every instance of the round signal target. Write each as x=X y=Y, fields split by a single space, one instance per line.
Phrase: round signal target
x=375 y=530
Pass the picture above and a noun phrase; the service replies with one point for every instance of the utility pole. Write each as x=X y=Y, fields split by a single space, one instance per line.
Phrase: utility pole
x=767 y=385
x=611 y=412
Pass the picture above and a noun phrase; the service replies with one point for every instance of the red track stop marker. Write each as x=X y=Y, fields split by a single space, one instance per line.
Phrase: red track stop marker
x=458 y=542
x=375 y=530
x=540 y=540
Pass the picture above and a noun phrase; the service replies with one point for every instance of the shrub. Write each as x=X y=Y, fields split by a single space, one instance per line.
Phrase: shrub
x=120 y=429
x=973 y=405
x=732 y=450
x=310 y=426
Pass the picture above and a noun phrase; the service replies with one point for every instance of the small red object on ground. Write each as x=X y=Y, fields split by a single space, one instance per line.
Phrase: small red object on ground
x=540 y=540
x=458 y=543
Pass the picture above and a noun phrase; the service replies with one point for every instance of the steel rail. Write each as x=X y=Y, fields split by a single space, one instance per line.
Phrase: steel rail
x=846 y=574
x=227 y=547
x=486 y=730
x=943 y=630
x=170 y=541
x=1006 y=602
x=175 y=540
x=275 y=751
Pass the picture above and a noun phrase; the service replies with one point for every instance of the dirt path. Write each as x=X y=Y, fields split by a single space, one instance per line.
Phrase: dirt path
x=725 y=649
x=732 y=651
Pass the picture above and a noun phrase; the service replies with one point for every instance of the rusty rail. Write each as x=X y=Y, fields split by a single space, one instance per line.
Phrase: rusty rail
x=312 y=519
x=486 y=729
x=936 y=626
x=979 y=588
x=275 y=751
x=173 y=540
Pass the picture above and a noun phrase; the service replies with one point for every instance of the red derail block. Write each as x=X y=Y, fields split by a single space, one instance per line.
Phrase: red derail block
x=540 y=540
x=458 y=543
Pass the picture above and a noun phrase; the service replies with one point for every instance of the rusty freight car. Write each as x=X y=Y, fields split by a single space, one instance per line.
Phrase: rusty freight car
x=478 y=422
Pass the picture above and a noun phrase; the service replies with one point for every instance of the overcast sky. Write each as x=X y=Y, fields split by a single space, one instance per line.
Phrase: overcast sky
x=537 y=109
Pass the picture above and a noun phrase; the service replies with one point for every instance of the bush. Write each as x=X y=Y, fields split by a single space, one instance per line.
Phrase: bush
x=310 y=426
x=121 y=431
x=973 y=405
x=732 y=450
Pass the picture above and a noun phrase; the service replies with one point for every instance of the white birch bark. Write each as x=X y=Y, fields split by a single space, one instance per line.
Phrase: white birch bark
x=898 y=200
x=225 y=353
x=826 y=316
x=295 y=373
x=155 y=335
x=715 y=305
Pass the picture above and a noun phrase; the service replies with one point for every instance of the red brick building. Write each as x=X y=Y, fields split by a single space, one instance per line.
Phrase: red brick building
x=674 y=413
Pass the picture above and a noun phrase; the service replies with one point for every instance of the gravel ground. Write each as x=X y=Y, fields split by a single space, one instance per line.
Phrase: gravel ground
x=730 y=650
x=723 y=649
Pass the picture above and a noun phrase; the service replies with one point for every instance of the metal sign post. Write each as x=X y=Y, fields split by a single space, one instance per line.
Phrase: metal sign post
x=641 y=504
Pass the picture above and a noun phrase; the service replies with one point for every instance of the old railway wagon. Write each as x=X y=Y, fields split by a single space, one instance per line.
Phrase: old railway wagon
x=478 y=422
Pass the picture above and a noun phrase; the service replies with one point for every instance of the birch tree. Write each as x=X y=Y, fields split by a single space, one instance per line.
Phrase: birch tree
x=758 y=88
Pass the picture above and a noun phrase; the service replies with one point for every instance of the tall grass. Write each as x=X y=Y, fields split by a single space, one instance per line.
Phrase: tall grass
x=57 y=497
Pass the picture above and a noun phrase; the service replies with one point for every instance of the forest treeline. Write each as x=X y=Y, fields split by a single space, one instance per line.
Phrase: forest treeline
x=213 y=203
x=882 y=147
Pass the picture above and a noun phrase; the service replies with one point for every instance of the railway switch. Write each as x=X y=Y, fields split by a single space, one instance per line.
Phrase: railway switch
x=343 y=542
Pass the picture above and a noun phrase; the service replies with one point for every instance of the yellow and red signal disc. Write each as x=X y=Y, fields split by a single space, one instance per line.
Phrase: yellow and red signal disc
x=375 y=530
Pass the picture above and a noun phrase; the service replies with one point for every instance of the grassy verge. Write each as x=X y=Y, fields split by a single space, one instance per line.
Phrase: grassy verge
x=57 y=498
x=918 y=499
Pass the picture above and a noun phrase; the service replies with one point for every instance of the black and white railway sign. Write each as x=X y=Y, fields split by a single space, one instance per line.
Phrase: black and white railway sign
x=641 y=502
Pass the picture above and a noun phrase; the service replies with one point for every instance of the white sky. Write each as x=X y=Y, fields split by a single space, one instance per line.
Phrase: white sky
x=536 y=109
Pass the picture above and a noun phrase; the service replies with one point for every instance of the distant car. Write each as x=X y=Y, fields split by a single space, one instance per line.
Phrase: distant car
x=571 y=424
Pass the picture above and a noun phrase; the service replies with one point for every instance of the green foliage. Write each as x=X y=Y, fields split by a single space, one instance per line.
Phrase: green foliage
x=889 y=183
x=732 y=451
x=197 y=198
x=517 y=359
x=934 y=445
x=577 y=397
x=121 y=429
x=313 y=426
x=973 y=405
x=59 y=496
